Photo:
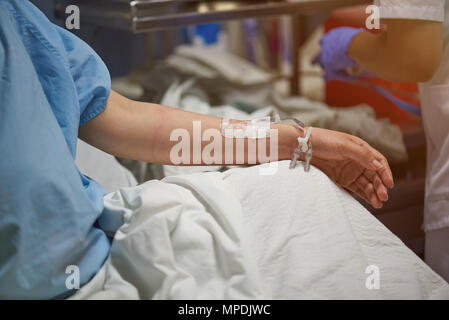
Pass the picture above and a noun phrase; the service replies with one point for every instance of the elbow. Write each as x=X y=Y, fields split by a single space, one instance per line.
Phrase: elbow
x=424 y=71
x=414 y=49
x=418 y=66
x=427 y=73
x=415 y=72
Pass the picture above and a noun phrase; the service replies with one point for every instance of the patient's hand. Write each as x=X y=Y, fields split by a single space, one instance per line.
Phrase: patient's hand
x=353 y=164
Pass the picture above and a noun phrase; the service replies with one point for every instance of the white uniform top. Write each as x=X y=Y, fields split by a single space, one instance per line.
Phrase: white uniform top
x=435 y=109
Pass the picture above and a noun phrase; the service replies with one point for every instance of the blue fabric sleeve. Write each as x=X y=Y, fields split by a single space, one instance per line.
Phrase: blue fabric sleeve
x=47 y=219
x=75 y=80
x=91 y=76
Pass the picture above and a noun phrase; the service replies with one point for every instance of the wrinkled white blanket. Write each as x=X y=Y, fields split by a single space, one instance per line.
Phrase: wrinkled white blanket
x=240 y=234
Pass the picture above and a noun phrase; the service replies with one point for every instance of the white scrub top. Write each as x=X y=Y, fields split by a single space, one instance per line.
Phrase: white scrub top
x=435 y=109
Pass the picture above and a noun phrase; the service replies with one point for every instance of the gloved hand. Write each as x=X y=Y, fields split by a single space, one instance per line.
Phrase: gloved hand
x=333 y=57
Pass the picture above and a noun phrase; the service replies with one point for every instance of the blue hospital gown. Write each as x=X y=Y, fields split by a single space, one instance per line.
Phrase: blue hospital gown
x=51 y=82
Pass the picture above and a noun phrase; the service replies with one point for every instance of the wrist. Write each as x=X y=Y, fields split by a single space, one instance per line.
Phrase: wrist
x=287 y=139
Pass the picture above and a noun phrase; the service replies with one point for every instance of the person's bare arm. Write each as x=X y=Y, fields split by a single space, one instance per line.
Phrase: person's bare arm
x=141 y=131
x=409 y=51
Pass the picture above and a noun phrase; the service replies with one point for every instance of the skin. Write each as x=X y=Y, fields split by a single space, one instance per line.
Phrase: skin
x=408 y=51
x=141 y=131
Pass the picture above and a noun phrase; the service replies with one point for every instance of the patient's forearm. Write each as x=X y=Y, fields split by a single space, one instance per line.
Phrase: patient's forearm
x=144 y=131
x=409 y=51
x=150 y=132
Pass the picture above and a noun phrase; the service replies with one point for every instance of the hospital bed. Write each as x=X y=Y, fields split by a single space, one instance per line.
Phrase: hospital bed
x=240 y=235
x=315 y=251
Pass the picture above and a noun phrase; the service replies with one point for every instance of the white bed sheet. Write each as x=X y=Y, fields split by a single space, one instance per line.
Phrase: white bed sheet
x=242 y=235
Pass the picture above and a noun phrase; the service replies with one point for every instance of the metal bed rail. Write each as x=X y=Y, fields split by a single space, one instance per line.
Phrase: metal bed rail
x=149 y=15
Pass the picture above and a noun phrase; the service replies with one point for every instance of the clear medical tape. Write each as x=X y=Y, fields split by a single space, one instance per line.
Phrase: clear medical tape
x=260 y=128
x=252 y=129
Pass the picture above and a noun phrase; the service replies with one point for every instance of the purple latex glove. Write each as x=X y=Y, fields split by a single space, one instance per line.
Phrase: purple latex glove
x=334 y=58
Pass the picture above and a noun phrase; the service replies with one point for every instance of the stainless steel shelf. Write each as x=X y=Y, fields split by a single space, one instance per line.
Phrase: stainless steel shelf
x=149 y=15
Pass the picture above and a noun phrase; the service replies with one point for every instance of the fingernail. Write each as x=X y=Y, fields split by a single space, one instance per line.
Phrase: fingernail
x=386 y=194
x=377 y=164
